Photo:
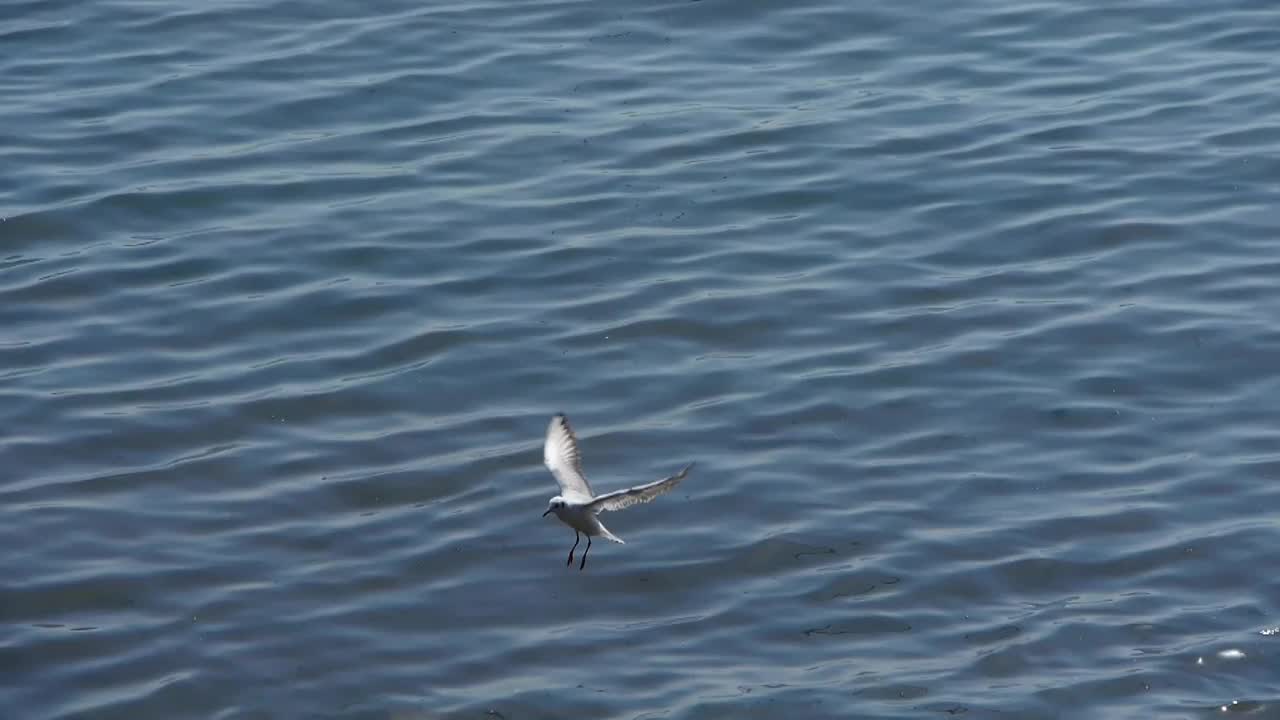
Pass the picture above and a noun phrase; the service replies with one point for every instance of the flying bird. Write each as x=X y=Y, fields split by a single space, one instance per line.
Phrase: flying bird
x=576 y=505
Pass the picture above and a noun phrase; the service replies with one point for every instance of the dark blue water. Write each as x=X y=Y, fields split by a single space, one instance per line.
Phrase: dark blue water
x=967 y=312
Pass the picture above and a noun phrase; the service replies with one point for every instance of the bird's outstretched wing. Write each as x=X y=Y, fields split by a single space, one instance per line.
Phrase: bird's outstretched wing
x=639 y=494
x=560 y=453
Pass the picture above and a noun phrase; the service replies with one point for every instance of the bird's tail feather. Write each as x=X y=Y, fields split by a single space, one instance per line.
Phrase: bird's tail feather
x=604 y=533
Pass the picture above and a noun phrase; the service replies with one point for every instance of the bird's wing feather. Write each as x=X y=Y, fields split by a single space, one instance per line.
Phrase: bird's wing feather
x=560 y=453
x=639 y=494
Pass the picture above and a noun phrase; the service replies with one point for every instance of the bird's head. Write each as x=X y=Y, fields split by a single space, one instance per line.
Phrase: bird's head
x=554 y=504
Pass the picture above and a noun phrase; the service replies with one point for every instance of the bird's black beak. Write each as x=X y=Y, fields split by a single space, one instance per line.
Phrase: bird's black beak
x=546 y=513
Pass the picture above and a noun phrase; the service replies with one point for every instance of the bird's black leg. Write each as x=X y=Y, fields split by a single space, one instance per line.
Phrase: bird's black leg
x=576 y=539
x=584 y=554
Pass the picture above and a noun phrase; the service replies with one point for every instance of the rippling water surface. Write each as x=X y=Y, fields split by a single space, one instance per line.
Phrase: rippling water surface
x=968 y=313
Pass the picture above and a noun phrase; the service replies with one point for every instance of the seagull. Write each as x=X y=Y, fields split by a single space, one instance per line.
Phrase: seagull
x=577 y=505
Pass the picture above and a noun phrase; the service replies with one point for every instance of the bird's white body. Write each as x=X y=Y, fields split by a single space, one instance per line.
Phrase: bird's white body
x=576 y=505
x=580 y=518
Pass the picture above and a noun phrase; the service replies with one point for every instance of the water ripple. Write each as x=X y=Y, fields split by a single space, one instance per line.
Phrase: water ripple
x=966 y=314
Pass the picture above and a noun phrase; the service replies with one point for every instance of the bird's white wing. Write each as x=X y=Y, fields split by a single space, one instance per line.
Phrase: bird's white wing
x=639 y=494
x=560 y=453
